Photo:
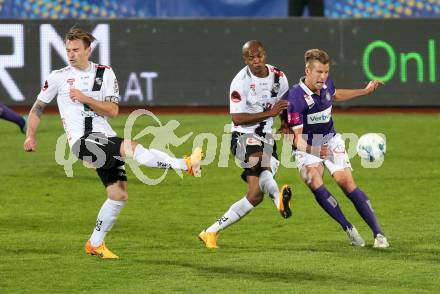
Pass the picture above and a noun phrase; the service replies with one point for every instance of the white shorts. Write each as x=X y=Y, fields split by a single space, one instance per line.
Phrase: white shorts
x=337 y=160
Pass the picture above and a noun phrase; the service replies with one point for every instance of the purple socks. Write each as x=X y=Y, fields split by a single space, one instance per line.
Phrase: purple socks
x=7 y=114
x=363 y=206
x=330 y=205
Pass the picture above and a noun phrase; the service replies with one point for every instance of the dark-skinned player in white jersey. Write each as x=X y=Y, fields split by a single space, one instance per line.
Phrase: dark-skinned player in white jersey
x=256 y=95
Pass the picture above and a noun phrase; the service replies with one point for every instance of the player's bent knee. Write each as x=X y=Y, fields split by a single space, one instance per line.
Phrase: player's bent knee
x=311 y=177
x=127 y=148
x=255 y=198
x=346 y=184
x=121 y=196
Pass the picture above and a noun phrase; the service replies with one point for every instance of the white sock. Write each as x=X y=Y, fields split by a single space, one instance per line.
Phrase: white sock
x=156 y=158
x=270 y=187
x=106 y=218
x=237 y=210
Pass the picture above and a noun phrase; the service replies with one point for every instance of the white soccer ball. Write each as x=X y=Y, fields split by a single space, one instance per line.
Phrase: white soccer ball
x=371 y=147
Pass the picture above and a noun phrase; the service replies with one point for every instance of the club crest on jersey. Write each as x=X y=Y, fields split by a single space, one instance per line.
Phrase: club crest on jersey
x=253 y=91
x=328 y=96
x=98 y=81
x=70 y=81
x=235 y=97
x=276 y=87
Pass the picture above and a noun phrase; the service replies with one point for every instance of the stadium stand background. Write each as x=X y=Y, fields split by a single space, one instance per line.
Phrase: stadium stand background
x=98 y=9
x=136 y=36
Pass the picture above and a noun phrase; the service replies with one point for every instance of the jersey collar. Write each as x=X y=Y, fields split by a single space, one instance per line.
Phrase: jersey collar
x=305 y=88
x=88 y=69
x=249 y=72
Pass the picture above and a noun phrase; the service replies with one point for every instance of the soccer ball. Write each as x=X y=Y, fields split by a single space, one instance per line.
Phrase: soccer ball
x=371 y=147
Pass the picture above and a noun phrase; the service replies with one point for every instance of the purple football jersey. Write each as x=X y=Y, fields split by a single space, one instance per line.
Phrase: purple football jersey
x=312 y=112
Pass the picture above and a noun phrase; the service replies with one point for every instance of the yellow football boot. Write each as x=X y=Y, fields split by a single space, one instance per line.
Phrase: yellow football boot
x=210 y=239
x=101 y=251
x=285 y=197
x=193 y=162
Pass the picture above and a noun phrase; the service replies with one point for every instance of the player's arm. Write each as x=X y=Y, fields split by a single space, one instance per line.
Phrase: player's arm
x=300 y=144
x=348 y=94
x=108 y=107
x=284 y=126
x=34 y=118
x=253 y=118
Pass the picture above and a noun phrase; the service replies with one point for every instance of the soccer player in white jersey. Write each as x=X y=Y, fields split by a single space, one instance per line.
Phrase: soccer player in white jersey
x=317 y=144
x=256 y=95
x=87 y=93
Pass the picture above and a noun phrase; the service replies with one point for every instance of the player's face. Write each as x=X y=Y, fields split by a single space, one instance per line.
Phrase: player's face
x=255 y=58
x=77 y=53
x=316 y=75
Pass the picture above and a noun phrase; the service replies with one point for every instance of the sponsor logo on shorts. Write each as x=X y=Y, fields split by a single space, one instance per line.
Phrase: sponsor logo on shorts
x=253 y=141
x=339 y=150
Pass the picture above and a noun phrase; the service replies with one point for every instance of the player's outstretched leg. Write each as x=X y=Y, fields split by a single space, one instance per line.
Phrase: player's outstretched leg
x=8 y=114
x=158 y=159
x=281 y=199
x=23 y=128
x=106 y=218
x=354 y=236
x=363 y=206
x=331 y=206
x=237 y=211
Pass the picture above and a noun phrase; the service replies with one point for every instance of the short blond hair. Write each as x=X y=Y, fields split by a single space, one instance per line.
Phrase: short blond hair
x=316 y=55
x=76 y=33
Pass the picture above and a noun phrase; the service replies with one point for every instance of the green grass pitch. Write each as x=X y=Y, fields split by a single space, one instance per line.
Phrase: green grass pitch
x=46 y=217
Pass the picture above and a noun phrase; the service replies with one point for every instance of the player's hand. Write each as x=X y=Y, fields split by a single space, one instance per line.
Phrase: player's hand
x=324 y=152
x=284 y=129
x=77 y=95
x=372 y=86
x=278 y=107
x=30 y=144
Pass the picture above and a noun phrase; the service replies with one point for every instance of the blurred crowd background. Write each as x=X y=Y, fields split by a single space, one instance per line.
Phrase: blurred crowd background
x=99 y=9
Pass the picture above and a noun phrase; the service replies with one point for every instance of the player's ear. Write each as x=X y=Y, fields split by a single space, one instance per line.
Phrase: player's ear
x=89 y=50
x=244 y=58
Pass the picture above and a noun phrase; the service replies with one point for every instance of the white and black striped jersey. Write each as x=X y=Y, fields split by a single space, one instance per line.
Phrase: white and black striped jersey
x=251 y=94
x=78 y=118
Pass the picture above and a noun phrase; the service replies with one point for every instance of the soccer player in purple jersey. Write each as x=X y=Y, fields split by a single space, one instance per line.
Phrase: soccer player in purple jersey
x=8 y=114
x=316 y=143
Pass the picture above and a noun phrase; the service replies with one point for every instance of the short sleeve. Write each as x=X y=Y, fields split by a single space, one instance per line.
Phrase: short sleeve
x=294 y=111
x=284 y=86
x=49 y=89
x=332 y=88
x=111 y=87
x=237 y=98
